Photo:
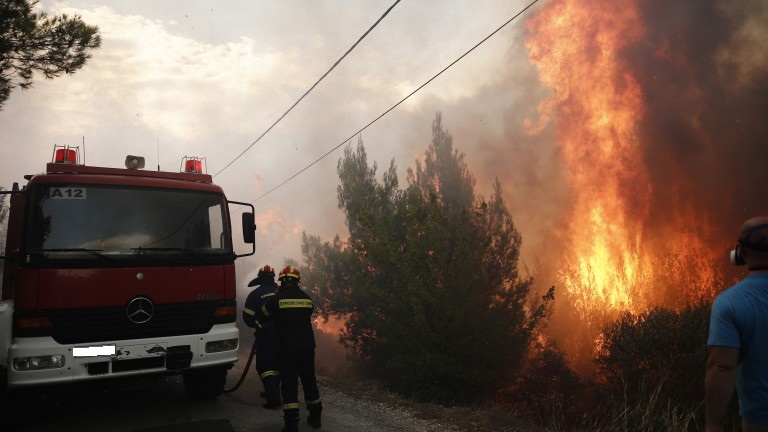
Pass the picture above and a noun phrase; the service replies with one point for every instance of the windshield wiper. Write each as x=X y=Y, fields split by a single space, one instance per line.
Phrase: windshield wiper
x=94 y=252
x=185 y=252
x=141 y=250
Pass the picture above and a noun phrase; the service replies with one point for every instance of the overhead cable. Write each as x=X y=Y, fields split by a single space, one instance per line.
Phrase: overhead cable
x=397 y=104
x=310 y=89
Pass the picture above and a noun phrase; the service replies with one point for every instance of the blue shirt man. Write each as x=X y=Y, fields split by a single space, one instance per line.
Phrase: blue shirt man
x=738 y=337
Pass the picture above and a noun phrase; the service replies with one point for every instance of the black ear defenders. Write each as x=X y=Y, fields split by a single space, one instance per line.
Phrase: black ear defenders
x=737 y=258
x=758 y=244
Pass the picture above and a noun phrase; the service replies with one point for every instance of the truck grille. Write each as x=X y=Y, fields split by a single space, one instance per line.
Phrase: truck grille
x=102 y=368
x=74 y=326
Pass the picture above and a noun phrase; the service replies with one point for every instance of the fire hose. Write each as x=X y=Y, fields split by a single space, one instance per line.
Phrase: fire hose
x=245 y=371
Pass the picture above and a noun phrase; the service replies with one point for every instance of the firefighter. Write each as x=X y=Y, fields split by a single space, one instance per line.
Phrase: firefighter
x=291 y=310
x=266 y=337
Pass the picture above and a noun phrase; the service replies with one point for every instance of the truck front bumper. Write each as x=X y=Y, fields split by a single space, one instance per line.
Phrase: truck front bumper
x=43 y=361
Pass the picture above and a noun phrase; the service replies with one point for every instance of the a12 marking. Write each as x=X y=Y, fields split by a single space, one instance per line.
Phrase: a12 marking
x=66 y=193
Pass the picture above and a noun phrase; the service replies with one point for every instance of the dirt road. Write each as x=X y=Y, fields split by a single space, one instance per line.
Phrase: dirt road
x=160 y=405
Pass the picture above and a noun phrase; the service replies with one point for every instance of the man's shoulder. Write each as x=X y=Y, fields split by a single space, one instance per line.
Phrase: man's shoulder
x=254 y=294
x=292 y=293
x=742 y=294
x=748 y=284
x=302 y=294
x=729 y=296
x=265 y=287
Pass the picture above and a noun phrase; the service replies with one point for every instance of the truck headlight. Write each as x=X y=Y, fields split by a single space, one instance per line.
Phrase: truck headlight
x=221 y=345
x=38 y=362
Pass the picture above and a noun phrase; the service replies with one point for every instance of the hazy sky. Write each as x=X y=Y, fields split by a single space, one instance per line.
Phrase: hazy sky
x=206 y=78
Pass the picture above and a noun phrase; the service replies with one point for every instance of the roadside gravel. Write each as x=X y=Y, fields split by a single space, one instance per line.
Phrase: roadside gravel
x=371 y=408
x=368 y=415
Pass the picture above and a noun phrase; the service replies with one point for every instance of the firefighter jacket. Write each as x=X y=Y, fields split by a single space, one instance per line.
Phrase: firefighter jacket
x=256 y=299
x=291 y=310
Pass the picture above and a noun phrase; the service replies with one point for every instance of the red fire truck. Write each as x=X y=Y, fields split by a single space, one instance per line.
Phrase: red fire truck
x=119 y=272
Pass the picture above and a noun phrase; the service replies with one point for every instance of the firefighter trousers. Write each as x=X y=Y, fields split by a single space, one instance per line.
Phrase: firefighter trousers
x=295 y=366
x=266 y=364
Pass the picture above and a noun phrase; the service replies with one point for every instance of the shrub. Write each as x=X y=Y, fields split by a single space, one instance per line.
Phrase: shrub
x=546 y=388
x=661 y=352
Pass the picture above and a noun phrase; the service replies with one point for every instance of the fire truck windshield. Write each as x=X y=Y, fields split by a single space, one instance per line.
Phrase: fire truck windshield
x=126 y=224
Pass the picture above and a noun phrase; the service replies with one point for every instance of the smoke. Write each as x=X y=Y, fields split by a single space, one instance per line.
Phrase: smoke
x=703 y=74
x=701 y=71
x=700 y=68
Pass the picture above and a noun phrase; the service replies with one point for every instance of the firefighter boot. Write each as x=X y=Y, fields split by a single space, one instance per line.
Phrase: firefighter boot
x=272 y=393
x=291 y=419
x=315 y=414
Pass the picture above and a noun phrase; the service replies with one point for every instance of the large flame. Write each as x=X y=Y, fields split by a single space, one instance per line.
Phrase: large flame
x=596 y=103
x=613 y=262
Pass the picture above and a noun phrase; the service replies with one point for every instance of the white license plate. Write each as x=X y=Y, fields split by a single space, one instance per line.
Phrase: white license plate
x=94 y=351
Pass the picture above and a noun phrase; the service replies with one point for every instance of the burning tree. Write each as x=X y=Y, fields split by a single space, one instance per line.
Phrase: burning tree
x=428 y=280
x=649 y=117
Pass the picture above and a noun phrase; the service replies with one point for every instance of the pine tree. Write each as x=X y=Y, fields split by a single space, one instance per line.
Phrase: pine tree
x=428 y=279
x=34 y=42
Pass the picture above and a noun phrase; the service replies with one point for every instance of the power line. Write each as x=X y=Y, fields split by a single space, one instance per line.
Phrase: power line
x=397 y=104
x=311 y=88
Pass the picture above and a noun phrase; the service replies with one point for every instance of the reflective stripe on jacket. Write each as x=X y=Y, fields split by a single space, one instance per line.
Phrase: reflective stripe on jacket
x=291 y=310
x=255 y=300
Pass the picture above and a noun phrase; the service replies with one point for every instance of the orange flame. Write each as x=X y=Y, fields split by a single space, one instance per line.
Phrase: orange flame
x=596 y=102
x=333 y=326
x=616 y=258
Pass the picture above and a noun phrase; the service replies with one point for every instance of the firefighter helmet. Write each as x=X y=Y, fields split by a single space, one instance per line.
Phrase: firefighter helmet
x=290 y=272
x=267 y=271
x=264 y=272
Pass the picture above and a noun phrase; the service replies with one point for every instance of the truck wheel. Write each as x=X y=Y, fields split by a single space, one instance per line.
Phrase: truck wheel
x=203 y=384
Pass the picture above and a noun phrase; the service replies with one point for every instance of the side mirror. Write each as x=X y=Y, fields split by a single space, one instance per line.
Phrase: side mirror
x=249 y=228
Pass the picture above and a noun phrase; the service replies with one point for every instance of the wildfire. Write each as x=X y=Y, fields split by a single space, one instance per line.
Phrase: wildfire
x=613 y=261
x=596 y=102
x=334 y=325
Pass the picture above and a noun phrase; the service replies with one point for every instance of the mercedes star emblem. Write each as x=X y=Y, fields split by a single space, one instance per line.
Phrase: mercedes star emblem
x=140 y=310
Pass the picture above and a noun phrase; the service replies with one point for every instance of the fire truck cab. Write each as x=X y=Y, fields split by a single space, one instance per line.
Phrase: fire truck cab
x=115 y=272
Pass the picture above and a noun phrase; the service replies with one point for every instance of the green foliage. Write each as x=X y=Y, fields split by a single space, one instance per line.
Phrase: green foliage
x=428 y=280
x=658 y=349
x=547 y=389
x=32 y=42
x=651 y=378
